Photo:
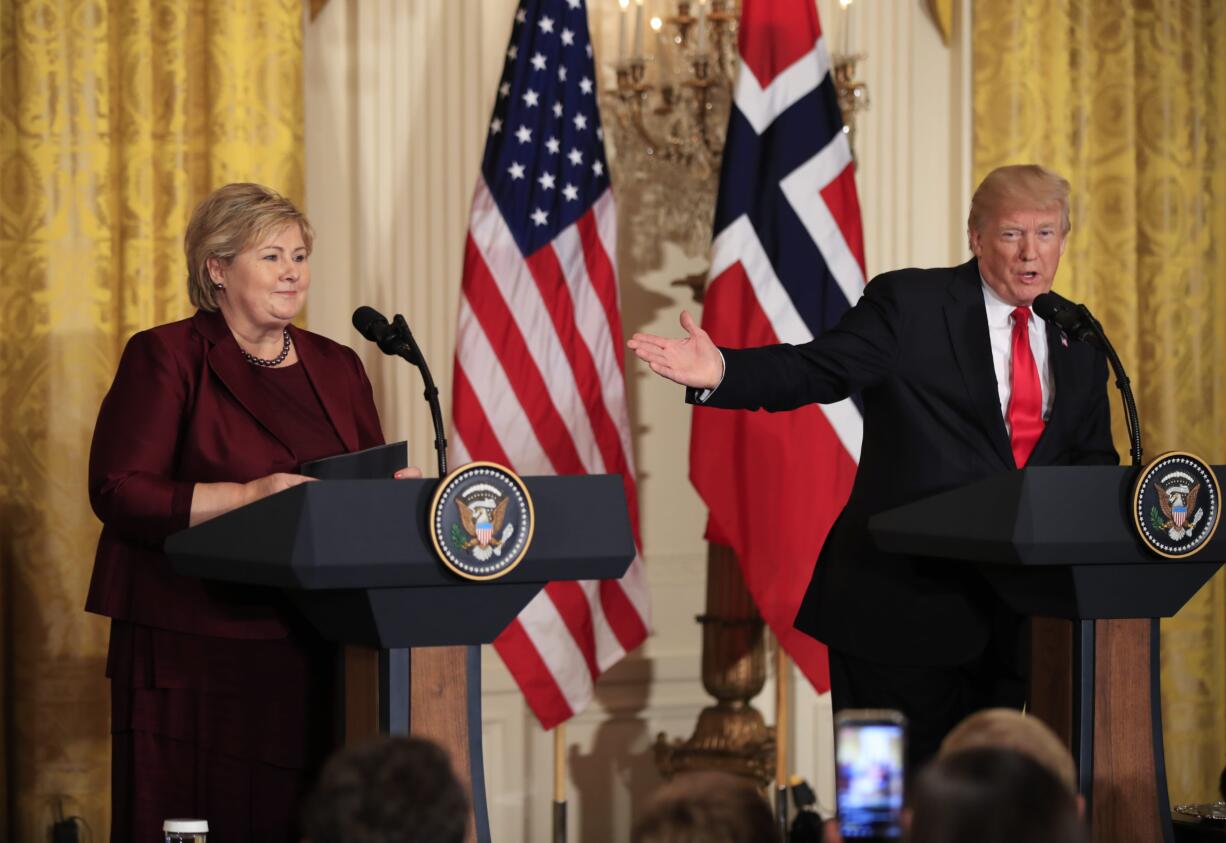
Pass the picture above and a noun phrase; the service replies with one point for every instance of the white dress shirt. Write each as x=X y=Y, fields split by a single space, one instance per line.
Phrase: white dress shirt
x=1000 y=333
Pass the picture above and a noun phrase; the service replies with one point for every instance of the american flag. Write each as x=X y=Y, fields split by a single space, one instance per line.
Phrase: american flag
x=539 y=376
x=787 y=262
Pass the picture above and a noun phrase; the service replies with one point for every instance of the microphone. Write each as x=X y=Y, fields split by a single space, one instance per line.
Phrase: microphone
x=390 y=338
x=396 y=340
x=1077 y=321
x=1074 y=319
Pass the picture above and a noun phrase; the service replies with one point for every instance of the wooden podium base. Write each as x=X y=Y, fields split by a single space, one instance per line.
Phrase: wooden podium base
x=1096 y=683
x=431 y=692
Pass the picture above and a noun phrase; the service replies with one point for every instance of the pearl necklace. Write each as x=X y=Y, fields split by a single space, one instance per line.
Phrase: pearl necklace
x=276 y=361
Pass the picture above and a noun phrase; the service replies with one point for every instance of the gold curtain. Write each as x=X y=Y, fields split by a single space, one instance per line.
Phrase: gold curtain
x=1128 y=101
x=115 y=119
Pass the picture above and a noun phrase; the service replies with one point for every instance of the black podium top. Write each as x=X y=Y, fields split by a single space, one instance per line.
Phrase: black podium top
x=1055 y=541
x=355 y=556
x=339 y=534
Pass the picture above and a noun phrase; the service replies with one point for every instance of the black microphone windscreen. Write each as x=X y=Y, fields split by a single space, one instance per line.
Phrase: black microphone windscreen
x=366 y=319
x=1053 y=307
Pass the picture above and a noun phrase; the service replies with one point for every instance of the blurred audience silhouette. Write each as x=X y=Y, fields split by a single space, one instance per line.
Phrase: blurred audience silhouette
x=992 y=795
x=706 y=808
x=387 y=790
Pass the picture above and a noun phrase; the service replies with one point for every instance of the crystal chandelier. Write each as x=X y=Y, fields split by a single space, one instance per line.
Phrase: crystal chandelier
x=671 y=112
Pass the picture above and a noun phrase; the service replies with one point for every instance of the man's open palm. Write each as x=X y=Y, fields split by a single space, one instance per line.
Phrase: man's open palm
x=693 y=361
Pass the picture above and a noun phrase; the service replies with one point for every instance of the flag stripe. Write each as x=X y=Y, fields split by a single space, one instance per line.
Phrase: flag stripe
x=559 y=650
x=493 y=416
x=529 y=335
x=556 y=298
x=471 y=424
x=573 y=609
x=624 y=619
x=533 y=676
x=540 y=380
x=600 y=270
x=526 y=380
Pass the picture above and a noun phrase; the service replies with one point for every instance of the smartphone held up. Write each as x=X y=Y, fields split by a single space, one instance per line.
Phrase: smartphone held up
x=870 y=748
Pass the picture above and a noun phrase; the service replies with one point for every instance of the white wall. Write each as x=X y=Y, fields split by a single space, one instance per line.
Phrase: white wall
x=398 y=95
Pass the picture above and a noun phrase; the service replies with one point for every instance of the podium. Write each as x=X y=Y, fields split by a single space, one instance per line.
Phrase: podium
x=356 y=560
x=1057 y=544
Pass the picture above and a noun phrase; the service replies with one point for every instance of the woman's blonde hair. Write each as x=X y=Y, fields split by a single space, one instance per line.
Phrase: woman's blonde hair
x=230 y=219
x=1016 y=187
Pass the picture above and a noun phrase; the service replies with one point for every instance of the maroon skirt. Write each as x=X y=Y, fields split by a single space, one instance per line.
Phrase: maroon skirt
x=227 y=730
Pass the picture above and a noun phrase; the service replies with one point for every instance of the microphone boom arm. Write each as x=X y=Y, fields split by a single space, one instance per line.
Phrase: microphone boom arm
x=1131 y=419
x=409 y=350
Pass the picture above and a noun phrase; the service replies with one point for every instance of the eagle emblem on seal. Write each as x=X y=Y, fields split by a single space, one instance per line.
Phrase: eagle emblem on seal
x=481 y=520
x=483 y=515
x=1179 y=516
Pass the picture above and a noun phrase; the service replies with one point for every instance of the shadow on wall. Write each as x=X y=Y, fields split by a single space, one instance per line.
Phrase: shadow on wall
x=647 y=266
x=616 y=778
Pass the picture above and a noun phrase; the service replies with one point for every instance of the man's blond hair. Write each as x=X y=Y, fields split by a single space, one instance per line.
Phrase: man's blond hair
x=1007 y=728
x=1019 y=187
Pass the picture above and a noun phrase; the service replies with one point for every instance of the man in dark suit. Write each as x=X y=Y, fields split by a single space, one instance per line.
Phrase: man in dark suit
x=959 y=381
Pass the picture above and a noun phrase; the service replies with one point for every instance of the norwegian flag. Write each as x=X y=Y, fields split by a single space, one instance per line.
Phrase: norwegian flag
x=787 y=262
x=539 y=376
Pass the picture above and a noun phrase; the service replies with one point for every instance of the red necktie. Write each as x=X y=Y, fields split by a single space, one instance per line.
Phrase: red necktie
x=1025 y=414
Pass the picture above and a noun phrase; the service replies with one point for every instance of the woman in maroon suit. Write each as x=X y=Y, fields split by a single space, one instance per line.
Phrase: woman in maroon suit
x=221 y=699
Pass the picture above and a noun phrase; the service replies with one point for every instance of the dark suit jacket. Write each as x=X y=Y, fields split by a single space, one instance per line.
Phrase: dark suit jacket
x=185 y=408
x=916 y=348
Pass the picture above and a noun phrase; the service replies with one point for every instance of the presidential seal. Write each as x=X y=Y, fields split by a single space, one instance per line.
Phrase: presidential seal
x=481 y=520
x=1175 y=505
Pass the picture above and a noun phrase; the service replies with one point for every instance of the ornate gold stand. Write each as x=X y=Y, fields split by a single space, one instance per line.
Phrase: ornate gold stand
x=731 y=735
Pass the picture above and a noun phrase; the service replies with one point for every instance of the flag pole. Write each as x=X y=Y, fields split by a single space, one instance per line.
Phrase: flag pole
x=559 y=783
x=782 y=738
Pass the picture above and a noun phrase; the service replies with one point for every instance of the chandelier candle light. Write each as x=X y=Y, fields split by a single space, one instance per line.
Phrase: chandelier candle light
x=670 y=110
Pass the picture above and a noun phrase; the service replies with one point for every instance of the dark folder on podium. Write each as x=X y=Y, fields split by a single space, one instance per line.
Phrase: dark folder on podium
x=1058 y=543
x=356 y=559
x=377 y=463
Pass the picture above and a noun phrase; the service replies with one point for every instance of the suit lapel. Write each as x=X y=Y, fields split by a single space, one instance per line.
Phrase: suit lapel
x=244 y=383
x=968 y=334
x=331 y=390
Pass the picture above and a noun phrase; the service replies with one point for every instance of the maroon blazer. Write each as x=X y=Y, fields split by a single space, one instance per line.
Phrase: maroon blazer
x=185 y=408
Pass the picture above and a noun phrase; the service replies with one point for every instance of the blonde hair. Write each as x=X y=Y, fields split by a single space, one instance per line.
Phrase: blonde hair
x=1019 y=187
x=230 y=219
x=1006 y=728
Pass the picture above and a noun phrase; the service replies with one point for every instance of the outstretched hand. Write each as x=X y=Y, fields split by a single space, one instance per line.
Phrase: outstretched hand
x=693 y=361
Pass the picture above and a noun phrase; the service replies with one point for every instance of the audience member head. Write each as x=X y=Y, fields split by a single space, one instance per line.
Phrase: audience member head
x=706 y=808
x=388 y=790
x=992 y=795
x=1007 y=728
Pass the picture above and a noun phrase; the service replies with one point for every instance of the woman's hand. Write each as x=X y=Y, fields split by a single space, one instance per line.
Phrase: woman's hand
x=270 y=484
x=693 y=361
x=410 y=473
x=212 y=499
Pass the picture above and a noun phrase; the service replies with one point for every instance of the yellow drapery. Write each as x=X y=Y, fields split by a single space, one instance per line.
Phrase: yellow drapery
x=1128 y=101
x=115 y=119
